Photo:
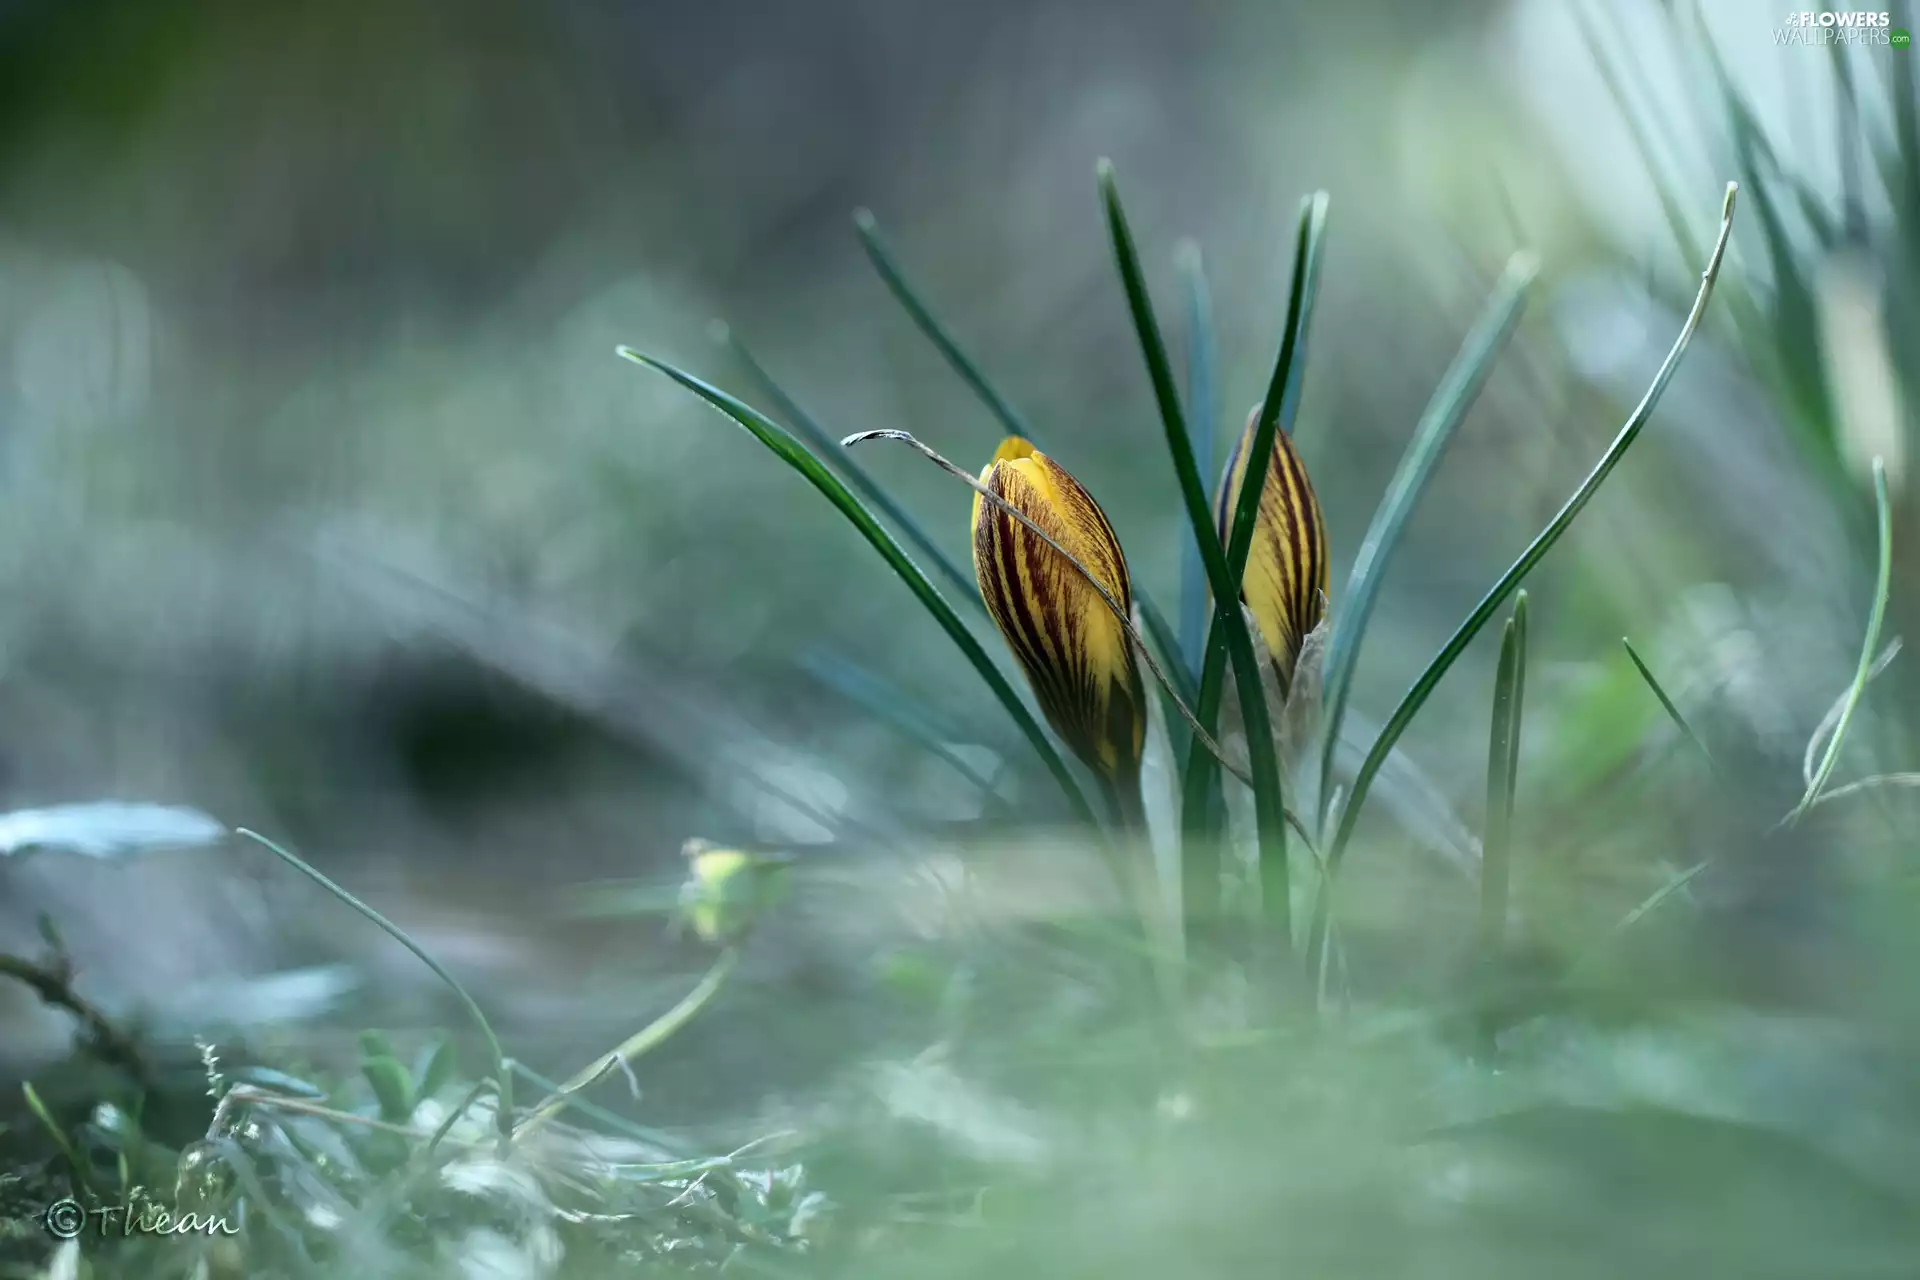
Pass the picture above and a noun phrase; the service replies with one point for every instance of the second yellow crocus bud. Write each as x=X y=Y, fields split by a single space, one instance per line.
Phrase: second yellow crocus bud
x=1285 y=585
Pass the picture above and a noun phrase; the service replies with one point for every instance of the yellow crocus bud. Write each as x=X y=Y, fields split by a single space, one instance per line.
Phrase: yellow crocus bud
x=1075 y=651
x=1286 y=580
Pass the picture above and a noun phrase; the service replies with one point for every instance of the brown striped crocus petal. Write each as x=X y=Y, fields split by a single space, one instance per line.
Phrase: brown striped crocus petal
x=1286 y=580
x=1075 y=652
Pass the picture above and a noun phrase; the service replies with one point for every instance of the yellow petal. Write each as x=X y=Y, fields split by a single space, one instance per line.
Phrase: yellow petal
x=1076 y=653
x=1286 y=580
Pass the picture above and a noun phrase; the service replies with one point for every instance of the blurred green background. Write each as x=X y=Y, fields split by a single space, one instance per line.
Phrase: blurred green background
x=326 y=508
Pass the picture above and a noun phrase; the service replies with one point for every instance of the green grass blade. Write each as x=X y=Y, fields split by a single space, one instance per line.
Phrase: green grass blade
x=1438 y=425
x=1269 y=811
x=817 y=473
x=1503 y=762
x=1666 y=703
x=1416 y=697
x=1882 y=588
x=826 y=446
x=1203 y=415
x=1010 y=419
x=497 y=1058
x=923 y=318
x=1200 y=797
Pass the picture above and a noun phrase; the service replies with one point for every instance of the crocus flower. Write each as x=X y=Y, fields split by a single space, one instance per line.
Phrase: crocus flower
x=1286 y=580
x=1076 y=653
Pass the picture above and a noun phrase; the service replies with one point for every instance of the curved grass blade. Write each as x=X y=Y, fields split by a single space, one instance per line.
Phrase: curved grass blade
x=1203 y=415
x=503 y=1079
x=1011 y=420
x=1666 y=703
x=1416 y=697
x=1882 y=588
x=1503 y=764
x=823 y=445
x=1437 y=427
x=1269 y=808
x=1818 y=739
x=797 y=456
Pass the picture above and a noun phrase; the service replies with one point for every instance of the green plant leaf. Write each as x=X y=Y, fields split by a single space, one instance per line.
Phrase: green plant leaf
x=1416 y=697
x=817 y=473
x=1503 y=765
x=438 y=1063
x=1437 y=427
x=1269 y=808
x=1882 y=588
x=1202 y=805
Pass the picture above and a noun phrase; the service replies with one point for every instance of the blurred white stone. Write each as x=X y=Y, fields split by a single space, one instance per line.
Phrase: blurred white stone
x=107 y=829
x=83 y=355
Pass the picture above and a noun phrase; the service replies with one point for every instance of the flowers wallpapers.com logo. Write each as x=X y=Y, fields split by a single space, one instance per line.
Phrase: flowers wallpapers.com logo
x=1841 y=27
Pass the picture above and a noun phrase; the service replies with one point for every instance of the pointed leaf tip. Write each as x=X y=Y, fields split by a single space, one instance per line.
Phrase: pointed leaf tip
x=863 y=218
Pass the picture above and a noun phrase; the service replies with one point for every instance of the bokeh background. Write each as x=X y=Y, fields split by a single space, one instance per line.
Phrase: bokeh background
x=326 y=507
